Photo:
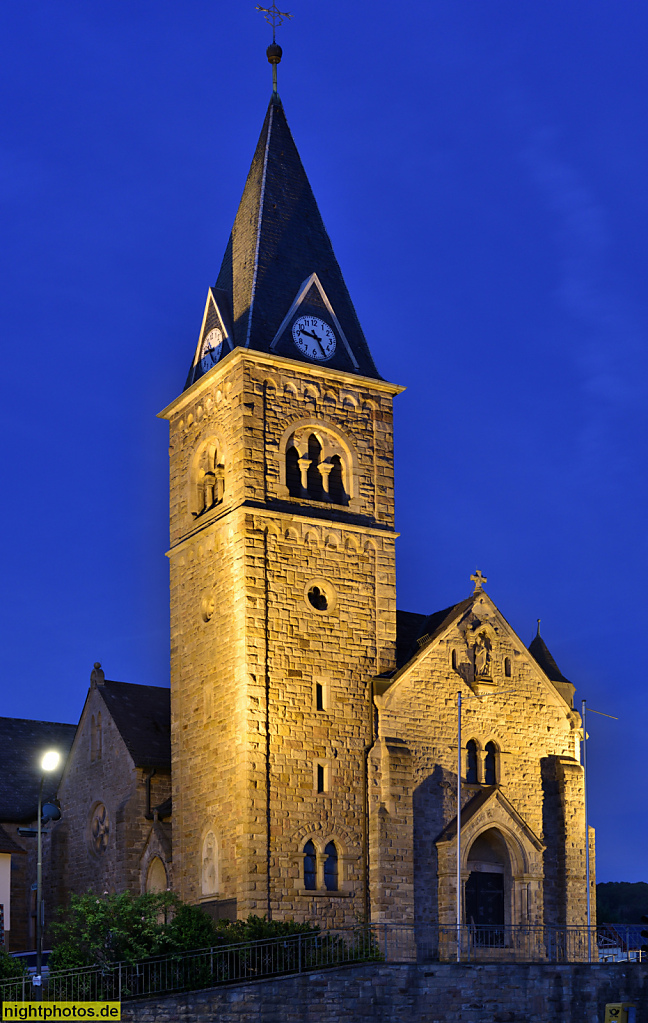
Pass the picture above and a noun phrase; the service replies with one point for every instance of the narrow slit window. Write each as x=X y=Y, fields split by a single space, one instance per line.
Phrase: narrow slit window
x=454 y=660
x=319 y=696
x=320 y=778
x=507 y=667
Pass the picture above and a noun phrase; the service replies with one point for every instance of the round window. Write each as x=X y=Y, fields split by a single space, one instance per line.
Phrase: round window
x=320 y=596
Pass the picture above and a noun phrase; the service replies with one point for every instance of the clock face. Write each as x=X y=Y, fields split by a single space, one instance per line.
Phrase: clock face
x=313 y=337
x=210 y=350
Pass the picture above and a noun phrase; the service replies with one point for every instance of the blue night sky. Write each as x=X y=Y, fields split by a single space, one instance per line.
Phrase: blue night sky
x=481 y=166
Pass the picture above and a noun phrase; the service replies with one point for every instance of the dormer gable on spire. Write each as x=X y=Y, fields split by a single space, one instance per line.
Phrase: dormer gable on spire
x=215 y=339
x=279 y=243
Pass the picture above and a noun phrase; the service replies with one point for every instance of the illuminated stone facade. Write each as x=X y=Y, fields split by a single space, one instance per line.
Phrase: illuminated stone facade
x=314 y=728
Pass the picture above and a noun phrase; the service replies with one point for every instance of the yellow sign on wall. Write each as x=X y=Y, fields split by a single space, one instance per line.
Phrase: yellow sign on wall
x=620 y=1012
x=61 y=1010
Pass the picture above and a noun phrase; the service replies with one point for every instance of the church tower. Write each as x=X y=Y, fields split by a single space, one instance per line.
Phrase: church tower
x=282 y=567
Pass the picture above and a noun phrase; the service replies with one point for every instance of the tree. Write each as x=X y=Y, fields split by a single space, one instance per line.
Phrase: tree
x=124 y=928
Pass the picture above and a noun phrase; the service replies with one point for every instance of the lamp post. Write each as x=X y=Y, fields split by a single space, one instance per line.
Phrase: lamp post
x=49 y=762
x=587 y=850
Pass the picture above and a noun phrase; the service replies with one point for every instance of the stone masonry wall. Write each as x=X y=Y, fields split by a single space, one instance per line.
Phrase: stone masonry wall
x=246 y=642
x=535 y=733
x=114 y=781
x=449 y=993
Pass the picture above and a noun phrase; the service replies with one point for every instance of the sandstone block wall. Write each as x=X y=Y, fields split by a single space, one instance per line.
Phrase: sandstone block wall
x=448 y=993
x=536 y=737
x=248 y=648
x=112 y=780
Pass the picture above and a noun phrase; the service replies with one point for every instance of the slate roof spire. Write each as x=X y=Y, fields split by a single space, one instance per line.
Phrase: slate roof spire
x=542 y=655
x=279 y=264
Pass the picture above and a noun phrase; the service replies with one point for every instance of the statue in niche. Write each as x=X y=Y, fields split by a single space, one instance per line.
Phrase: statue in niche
x=211 y=486
x=209 y=864
x=482 y=650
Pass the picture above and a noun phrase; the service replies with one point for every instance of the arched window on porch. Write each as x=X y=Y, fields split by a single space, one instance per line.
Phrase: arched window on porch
x=490 y=764
x=471 y=762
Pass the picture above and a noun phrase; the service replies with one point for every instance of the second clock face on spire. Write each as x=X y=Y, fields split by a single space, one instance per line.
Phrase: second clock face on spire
x=314 y=337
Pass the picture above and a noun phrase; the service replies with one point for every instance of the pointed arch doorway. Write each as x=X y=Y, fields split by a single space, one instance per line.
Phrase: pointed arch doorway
x=488 y=883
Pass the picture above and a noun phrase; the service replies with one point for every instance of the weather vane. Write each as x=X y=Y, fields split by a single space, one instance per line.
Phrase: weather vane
x=274 y=17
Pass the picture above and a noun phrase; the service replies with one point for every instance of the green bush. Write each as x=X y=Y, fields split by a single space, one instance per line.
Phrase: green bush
x=100 y=930
x=10 y=967
x=107 y=929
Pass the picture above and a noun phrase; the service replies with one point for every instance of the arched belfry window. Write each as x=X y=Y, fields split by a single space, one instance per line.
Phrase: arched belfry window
x=310 y=867
x=208 y=479
x=490 y=764
x=336 y=481
x=313 y=476
x=293 y=472
x=471 y=762
x=331 y=867
x=317 y=465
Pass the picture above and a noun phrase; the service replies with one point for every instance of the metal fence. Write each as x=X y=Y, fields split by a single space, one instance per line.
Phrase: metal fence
x=392 y=943
x=189 y=971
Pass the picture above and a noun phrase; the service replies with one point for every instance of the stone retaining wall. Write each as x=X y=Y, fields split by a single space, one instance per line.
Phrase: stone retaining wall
x=438 y=993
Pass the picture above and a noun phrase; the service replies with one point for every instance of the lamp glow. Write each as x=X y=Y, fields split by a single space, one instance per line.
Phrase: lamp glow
x=50 y=760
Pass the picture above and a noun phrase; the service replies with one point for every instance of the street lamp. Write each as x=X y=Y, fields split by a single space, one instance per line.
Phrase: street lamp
x=49 y=762
x=587 y=851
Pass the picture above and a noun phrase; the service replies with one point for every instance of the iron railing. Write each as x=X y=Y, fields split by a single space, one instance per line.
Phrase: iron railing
x=297 y=953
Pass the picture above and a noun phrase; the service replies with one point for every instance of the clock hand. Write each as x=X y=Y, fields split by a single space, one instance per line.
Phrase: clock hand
x=315 y=338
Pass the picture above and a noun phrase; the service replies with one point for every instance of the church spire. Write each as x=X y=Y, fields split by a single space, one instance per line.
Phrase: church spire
x=280 y=288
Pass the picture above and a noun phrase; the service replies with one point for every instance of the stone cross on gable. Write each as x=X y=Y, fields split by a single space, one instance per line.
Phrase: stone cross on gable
x=478 y=579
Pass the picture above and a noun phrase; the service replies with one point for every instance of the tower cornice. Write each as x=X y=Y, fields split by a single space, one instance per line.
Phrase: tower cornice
x=385 y=532
x=277 y=363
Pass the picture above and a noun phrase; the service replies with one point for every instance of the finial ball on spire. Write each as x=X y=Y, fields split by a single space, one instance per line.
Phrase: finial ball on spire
x=274 y=53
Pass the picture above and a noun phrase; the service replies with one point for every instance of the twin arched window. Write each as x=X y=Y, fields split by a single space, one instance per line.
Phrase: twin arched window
x=321 y=473
x=476 y=773
x=321 y=870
